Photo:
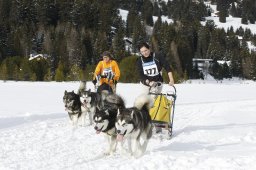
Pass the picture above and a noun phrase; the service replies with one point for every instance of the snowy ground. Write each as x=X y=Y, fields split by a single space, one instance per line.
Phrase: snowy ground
x=214 y=128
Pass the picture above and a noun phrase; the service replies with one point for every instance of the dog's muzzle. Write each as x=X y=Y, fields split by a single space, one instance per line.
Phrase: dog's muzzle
x=98 y=130
x=120 y=136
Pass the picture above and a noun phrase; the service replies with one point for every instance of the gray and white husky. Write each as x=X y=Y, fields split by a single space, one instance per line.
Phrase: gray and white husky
x=135 y=125
x=105 y=117
x=72 y=106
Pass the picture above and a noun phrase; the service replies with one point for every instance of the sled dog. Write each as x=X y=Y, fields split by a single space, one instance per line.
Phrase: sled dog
x=105 y=117
x=72 y=106
x=135 y=124
x=89 y=101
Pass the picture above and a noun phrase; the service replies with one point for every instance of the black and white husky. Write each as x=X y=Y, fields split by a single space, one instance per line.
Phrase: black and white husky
x=89 y=100
x=105 y=117
x=72 y=106
x=135 y=125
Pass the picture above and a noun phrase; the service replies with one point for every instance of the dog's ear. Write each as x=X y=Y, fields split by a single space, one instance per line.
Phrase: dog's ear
x=107 y=113
x=132 y=114
x=65 y=92
x=79 y=92
x=97 y=109
x=118 y=112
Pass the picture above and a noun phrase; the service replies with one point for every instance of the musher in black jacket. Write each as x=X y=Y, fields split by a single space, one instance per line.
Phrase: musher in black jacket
x=150 y=67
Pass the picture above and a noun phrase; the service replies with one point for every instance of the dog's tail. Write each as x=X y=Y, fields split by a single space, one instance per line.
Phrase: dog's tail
x=116 y=100
x=143 y=101
x=82 y=86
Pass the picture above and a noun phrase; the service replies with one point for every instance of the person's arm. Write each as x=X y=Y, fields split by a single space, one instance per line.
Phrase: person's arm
x=97 y=73
x=116 y=71
x=98 y=69
x=171 y=80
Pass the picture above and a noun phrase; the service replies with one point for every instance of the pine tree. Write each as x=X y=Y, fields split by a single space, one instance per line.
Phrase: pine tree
x=233 y=10
x=222 y=16
x=247 y=34
x=138 y=33
x=236 y=65
x=130 y=22
x=101 y=43
x=222 y=6
x=128 y=69
x=216 y=49
x=246 y=59
x=226 y=71
x=26 y=72
x=156 y=9
x=3 y=71
x=203 y=42
x=253 y=67
x=74 y=46
x=119 y=44
x=157 y=34
x=75 y=73
x=210 y=25
x=216 y=70
x=59 y=76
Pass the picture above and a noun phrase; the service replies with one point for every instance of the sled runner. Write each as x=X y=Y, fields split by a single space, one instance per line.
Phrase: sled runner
x=162 y=113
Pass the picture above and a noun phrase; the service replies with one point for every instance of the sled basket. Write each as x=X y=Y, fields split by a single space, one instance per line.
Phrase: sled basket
x=161 y=110
x=162 y=113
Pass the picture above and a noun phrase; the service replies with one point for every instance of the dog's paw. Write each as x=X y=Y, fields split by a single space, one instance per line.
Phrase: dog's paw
x=106 y=153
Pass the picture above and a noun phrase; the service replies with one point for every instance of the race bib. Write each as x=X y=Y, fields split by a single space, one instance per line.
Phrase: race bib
x=107 y=72
x=150 y=68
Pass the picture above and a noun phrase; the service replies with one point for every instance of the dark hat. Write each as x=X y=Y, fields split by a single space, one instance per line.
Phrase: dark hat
x=106 y=53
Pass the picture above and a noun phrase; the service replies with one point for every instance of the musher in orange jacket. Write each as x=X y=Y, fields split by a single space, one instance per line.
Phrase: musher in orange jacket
x=107 y=71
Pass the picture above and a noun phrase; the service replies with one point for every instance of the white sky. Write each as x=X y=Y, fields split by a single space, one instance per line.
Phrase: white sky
x=214 y=128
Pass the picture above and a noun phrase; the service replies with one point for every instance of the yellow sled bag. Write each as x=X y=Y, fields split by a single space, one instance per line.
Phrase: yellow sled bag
x=161 y=110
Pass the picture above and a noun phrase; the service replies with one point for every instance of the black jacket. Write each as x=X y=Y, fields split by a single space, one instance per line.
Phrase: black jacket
x=160 y=62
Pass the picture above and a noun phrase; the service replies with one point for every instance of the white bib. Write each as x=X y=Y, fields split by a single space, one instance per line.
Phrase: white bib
x=150 y=68
x=107 y=72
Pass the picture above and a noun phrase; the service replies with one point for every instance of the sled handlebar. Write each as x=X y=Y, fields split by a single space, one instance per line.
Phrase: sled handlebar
x=167 y=94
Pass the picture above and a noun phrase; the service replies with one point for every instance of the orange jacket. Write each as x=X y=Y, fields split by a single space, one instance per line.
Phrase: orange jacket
x=104 y=68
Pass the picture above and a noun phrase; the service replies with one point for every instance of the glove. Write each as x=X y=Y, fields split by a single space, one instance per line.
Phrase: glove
x=98 y=77
x=153 y=84
x=115 y=82
x=94 y=82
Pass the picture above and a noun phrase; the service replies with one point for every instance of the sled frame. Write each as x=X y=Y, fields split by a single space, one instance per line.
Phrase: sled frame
x=171 y=95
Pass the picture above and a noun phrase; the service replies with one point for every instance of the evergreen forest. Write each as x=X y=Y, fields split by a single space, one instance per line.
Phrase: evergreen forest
x=70 y=35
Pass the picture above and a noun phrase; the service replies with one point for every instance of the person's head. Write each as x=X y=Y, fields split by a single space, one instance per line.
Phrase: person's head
x=144 y=49
x=106 y=56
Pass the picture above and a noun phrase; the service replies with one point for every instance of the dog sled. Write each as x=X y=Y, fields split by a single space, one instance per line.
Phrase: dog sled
x=162 y=113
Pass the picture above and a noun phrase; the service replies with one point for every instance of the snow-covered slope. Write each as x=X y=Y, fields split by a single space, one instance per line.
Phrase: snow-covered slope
x=214 y=128
x=230 y=21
